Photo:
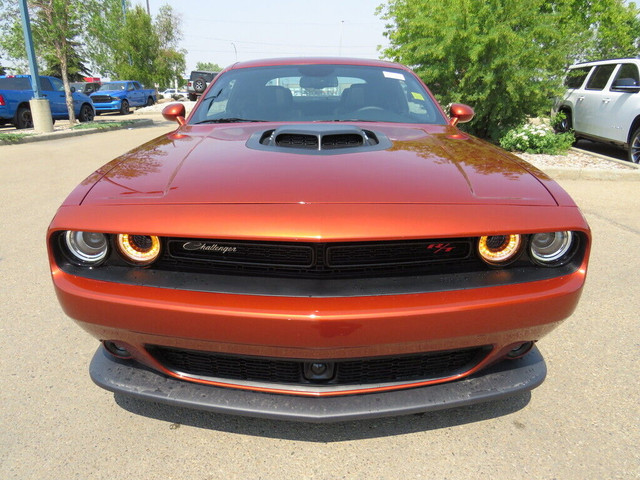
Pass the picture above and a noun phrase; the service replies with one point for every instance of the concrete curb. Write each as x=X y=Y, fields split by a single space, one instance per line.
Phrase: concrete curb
x=591 y=174
x=143 y=122
x=604 y=157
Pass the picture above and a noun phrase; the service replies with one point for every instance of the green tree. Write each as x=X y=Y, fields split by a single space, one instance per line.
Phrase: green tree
x=208 y=67
x=171 y=59
x=56 y=29
x=135 y=46
x=504 y=57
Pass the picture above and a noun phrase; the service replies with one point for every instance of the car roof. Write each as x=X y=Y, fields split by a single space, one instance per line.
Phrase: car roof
x=316 y=61
x=604 y=62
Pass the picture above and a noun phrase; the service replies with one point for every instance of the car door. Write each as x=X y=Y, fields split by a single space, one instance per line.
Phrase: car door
x=595 y=98
x=138 y=94
x=619 y=107
x=54 y=92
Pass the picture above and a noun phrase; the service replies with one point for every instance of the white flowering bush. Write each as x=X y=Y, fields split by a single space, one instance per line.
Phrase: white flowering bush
x=530 y=138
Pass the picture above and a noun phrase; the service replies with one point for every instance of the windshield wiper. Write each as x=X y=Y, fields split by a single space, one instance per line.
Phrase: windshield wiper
x=229 y=120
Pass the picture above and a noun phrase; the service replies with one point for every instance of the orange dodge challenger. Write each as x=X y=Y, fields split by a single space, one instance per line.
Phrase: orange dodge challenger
x=318 y=241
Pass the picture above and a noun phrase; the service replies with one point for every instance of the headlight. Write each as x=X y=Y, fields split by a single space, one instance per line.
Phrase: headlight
x=550 y=248
x=89 y=248
x=499 y=249
x=139 y=249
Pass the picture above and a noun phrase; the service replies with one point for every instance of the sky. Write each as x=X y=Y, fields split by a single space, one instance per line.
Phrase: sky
x=239 y=30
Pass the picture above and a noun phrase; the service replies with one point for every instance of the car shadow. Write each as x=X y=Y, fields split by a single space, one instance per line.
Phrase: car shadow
x=324 y=433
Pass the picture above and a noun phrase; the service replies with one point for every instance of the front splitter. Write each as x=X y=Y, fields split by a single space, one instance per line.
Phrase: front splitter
x=501 y=380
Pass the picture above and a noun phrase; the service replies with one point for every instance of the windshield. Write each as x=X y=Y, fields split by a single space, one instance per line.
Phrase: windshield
x=112 y=86
x=311 y=93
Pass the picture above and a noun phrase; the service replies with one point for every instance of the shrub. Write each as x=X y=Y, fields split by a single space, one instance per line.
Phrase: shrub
x=537 y=139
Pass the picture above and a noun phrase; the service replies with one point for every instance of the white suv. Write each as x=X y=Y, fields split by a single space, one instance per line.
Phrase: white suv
x=602 y=103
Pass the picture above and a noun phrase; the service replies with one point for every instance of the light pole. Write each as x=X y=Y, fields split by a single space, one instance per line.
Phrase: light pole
x=39 y=106
x=235 y=50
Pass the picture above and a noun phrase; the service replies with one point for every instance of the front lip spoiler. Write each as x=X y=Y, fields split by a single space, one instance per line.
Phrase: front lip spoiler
x=501 y=380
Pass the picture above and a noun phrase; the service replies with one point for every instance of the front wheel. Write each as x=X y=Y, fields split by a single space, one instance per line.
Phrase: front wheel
x=634 y=147
x=24 y=118
x=564 y=124
x=86 y=113
x=124 y=108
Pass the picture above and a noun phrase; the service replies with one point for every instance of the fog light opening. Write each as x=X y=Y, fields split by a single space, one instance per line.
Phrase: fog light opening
x=520 y=351
x=116 y=349
x=319 y=371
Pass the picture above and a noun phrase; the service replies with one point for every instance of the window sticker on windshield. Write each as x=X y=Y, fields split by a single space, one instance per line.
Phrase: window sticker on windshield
x=394 y=75
x=417 y=96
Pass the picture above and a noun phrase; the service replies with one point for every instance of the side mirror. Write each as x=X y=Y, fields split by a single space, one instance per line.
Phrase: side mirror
x=73 y=89
x=175 y=112
x=460 y=113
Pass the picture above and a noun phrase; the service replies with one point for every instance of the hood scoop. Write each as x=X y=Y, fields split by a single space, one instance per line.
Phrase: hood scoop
x=318 y=139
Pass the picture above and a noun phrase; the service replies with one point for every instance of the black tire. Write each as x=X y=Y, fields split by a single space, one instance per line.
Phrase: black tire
x=86 y=113
x=150 y=101
x=24 y=118
x=124 y=108
x=634 y=147
x=193 y=97
x=566 y=124
x=199 y=85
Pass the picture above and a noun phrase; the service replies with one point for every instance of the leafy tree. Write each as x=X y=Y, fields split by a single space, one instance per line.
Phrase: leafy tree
x=208 y=67
x=135 y=46
x=56 y=29
x=504 y=57
x=171 y=59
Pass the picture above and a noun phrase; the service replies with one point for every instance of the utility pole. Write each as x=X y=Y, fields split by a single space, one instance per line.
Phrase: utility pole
x=39 y=106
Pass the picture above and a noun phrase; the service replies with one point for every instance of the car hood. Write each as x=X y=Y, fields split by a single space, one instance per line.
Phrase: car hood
x=213 y=164
x=107 y=92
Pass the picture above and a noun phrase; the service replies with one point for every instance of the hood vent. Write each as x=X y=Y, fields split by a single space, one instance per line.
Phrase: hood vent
x=318 y=139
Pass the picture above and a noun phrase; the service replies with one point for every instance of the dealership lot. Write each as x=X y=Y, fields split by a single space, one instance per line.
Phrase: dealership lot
x=581 y=423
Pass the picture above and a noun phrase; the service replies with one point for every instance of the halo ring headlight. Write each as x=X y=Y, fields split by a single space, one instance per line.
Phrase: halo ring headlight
x=550 y=248
x=87 y=248
x=138 y=249
x=499 y=249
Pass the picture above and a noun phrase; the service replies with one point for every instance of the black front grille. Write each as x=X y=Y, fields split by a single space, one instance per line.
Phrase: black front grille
x=101 y=99
x=317 y=260
x=425 y=366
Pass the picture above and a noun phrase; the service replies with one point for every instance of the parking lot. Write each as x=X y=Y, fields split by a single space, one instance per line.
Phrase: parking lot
x=582 y=423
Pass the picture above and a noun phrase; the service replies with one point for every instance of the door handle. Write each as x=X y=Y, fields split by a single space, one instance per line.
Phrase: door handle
x=580 y=99
x=606 y=100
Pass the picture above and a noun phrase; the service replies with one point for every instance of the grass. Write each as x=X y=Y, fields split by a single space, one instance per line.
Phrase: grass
x=13 y=137
x=105 y=125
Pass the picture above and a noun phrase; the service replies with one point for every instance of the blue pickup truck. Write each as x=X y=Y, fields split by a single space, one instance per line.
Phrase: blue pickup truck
x=119 y=96
x=16 y=91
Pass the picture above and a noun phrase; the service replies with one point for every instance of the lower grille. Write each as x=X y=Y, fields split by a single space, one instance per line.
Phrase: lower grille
x=420 y=367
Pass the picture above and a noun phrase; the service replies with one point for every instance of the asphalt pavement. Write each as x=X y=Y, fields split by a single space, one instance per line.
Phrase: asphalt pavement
x=582 y=423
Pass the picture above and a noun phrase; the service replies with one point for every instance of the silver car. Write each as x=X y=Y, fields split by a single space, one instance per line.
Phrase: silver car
x=602 y=103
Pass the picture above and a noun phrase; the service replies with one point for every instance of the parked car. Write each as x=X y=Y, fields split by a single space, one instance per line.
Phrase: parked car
x=198 y=82
x=602 y=103
x=86 y=87
x=338 y=253
x=120 y=96
x=173 y=93
x=16 y=91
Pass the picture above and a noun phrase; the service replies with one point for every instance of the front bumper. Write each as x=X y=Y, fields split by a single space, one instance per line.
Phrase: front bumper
x=108 y=107
x=498 y=381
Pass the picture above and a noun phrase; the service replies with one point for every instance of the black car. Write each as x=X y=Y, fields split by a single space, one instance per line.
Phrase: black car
x=86 y=87
x=199 y=80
